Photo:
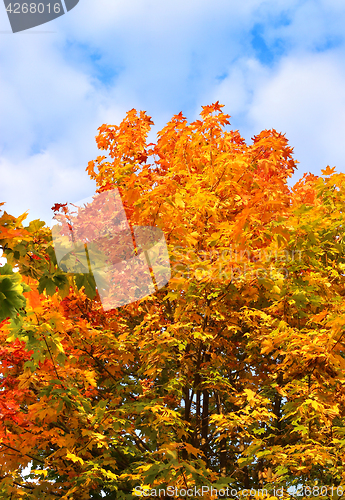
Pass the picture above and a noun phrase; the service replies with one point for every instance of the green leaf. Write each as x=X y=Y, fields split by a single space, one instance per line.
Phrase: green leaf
x=11 y=293
x=47 y=283
x=88 y=282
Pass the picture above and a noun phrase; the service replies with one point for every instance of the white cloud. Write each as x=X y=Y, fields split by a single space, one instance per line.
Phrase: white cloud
x=36 y=183
x=306 y=99
x=303 y=96
x=109 y=56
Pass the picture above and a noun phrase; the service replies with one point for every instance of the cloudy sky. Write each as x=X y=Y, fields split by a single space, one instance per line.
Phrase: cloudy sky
x=274 y=64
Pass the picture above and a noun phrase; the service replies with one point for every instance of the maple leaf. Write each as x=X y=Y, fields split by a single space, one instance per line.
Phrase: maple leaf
x=106 y=187
x=11 y=293
x=328 y=170
x=58 y=206
x=230 y=373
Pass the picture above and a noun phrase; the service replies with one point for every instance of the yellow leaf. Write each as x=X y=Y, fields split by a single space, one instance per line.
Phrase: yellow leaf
x=250 y=394
x=179 y=201
x=90 y=377
x=74 y=458
x=267 y=347
x=328 y=170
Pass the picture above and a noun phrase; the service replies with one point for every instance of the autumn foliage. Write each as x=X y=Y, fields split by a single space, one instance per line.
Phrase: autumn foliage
x=231 y=374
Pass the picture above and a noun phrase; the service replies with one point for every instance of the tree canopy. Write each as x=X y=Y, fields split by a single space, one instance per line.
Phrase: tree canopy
x=230 y=375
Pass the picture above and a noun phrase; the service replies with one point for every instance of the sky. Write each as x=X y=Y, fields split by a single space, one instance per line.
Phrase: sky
x=273 y=64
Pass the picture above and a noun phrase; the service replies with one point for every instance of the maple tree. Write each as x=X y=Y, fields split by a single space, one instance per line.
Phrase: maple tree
x=231 y=374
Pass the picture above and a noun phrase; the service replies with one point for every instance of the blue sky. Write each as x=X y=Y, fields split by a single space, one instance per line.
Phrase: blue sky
x=273 y=64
